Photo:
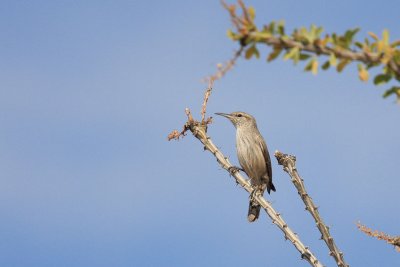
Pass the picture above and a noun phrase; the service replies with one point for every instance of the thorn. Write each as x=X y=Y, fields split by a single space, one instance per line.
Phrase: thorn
x=305 y=255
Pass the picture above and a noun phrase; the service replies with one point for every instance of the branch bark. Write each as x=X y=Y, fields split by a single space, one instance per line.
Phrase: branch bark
x=199 y=130
x=364 y=57
x=289 y=165
x=393 y=240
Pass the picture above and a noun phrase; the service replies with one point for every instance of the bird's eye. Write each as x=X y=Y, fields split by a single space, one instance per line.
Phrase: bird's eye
x=239 y=115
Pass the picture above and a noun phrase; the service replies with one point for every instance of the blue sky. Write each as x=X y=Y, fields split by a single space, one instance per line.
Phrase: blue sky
x=89 y=90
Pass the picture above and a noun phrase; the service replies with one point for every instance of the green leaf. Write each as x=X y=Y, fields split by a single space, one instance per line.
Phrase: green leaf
x=304 y=56
x=394 y=90
x=312 y=66
x=309 y=65
x=350 y=34
x=274 y=54
x=292 y=54
x=314 y=33
x=256 y=53
x=359 y=45
x=395 y=43
x=326 y=65
x=362 y=73
x=342 y=64
x=385 y=36
x=382 y=79
x=281 y=27
x=334 y=39
x=252 y=51
x=252 y=12
x=318 y=32
x=373 y=35
x=332 y=60
x=271 y=27
x=261 y=36
x=233 y=36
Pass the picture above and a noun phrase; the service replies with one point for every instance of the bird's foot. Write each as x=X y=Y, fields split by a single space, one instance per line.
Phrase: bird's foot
x=234 y=169
x=255 y=192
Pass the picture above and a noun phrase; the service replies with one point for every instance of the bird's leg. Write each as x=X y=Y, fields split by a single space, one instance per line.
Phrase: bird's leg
x=256 y=190
x=233 y=169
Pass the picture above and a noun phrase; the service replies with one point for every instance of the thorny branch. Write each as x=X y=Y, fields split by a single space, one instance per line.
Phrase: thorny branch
x=199 y=130
x=395 y=241
x=289 y=165
x=244 y=26
x=308 y=45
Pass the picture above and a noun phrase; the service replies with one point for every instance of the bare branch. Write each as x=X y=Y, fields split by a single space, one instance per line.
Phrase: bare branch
x=199 y=130
x=395 y=241
x=206 y=97
x=222 y=69
x=289 y=165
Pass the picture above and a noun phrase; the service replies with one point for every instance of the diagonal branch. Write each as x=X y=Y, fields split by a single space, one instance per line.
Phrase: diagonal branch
x=308 y=44
x=287 y=43
x=393 y=240
x=289 y=165
x=199 y=131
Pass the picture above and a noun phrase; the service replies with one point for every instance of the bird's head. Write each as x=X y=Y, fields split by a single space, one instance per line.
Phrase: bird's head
x=239 y=118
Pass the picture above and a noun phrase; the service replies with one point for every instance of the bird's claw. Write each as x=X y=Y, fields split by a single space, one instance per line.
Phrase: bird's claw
x=256 y=190
x=233 y=169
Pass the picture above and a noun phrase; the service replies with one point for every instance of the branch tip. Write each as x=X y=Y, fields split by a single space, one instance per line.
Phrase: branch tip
x=395 y=240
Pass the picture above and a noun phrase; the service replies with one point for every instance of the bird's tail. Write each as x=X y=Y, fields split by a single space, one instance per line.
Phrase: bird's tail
x=270 y=186
x=254 y=207
x=254 y=211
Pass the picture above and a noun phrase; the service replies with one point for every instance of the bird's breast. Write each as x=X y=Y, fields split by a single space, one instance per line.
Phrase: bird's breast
x=250 y=155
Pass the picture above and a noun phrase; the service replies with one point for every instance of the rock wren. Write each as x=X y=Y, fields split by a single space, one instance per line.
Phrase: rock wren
x=253 y=156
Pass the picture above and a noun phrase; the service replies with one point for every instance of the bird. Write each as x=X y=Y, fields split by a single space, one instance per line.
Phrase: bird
x=253 y=156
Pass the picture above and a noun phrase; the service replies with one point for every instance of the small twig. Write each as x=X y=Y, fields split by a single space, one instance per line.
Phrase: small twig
x=222 y=69
x=289 y=165
x=395 y=241
x=199 y=131
x=206 y=97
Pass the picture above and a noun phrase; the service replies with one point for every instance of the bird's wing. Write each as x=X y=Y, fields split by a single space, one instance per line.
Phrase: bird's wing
x=267 y=158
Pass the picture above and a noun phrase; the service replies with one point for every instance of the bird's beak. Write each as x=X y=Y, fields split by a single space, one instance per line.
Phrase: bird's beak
x=229 y=116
